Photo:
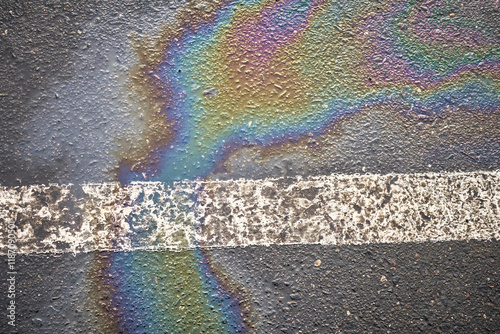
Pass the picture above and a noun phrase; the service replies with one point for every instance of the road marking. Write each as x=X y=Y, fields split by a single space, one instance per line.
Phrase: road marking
x=330 y=210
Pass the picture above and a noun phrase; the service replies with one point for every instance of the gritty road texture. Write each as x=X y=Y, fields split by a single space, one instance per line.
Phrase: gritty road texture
x=406 y=288
x=107 y=93
x=449 y=287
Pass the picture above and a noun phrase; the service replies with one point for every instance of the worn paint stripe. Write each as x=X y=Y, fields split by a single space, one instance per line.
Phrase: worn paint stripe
x=334 y=209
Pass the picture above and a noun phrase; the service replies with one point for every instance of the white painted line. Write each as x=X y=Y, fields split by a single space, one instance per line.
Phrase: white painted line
x=331 y=210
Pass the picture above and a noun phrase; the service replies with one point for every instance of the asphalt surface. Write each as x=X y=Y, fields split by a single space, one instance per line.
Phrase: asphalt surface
x=67 y=110
x=449 y=287
x=64 y=101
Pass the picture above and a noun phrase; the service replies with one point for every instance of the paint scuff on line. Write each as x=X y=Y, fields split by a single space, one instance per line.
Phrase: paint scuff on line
x=334 y=209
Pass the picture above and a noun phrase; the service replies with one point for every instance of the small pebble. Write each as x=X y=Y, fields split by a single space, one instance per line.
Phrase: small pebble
x=317 y=263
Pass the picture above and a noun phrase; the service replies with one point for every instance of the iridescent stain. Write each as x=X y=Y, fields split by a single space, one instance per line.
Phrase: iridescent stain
x=260 y=73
